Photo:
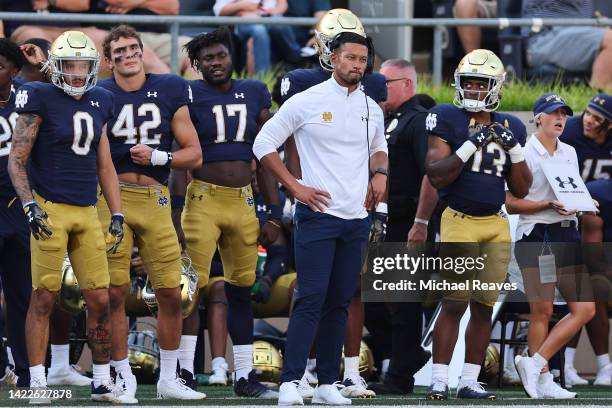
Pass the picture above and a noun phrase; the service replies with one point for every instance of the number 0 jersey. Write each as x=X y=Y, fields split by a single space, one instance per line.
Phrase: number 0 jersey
x=480 y=188
x=64 y=157
x=595 y=160
x=8 y=117
x=144 y=117
x=227 y=122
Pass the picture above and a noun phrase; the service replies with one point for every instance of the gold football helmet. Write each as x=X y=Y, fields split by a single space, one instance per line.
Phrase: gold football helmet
x=188 y=285
x=73 y=46
x=483 y=65
x=135 y=305
x=490 y=367
x=366 y=361
x=143 y=355
x=70 y=298
x=334 y=22
x=267 y=362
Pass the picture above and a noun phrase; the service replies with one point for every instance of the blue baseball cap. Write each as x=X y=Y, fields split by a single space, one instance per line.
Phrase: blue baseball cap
x=602 y=103
x=550 y=102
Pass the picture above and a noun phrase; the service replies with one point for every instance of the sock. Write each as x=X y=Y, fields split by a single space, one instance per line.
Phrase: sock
x=60 y=356
x=38 y=372
x=101 y=373
x=470 y=372
x=351 y=366
x=603 y=360
x=311 y=364
x=545 y=378
x=218 y=362
x=187 y=349
x=570 y=352
x=540 y=362
x=439 y=372
x=121 y=366
x=384 y=366
x=167 y=364
x=243 y=360
x=9 y=355
x=239 y=314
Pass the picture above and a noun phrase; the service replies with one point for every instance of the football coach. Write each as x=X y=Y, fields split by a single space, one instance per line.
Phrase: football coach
x=339 y=133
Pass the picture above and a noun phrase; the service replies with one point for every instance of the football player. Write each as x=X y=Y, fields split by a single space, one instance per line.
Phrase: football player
x=151 y=111
x=333 y=23
x=473 y=152
x=61 y=129
x=219 y=205
x=589 y=134
x=14 y=231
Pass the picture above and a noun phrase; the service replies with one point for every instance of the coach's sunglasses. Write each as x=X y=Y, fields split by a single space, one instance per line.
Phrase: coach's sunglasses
x=388 y=81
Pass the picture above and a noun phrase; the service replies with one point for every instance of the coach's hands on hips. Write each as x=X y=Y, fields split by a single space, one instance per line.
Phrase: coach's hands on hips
x=37 y=219
x=503 y=136
x=376 y=191
x=116 y=230
x=313 y=198
x=141 y=154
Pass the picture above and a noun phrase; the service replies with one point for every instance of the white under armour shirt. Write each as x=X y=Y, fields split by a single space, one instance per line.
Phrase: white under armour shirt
x=329 y=126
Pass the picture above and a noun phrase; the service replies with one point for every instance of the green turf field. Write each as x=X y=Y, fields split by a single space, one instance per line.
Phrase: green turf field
x=587 y=395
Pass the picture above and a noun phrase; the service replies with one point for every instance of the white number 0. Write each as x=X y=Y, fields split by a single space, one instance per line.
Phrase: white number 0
x=77 y=123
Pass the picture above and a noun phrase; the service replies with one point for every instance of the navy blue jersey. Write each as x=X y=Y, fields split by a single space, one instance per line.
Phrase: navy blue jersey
x=8 y=117
x=299 y=80
x=64 y=157
x=480 y=188
x=227 y=122
x=595 y=160
x=601 y=190
x=145 y=117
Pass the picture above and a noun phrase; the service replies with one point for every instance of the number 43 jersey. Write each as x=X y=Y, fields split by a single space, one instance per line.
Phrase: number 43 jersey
x=480 y=188
x=64 y=156
x=227 y=122
x=145 y=117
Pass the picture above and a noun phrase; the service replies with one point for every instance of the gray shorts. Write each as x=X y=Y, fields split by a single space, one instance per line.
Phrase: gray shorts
x=569 y=48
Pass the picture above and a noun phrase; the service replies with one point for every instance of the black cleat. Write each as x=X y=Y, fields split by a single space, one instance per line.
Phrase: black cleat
x=252 y=388
x=474 y=391
x=190 y=381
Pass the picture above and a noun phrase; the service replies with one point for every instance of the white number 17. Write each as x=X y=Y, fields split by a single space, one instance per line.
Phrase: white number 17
x=231 y=109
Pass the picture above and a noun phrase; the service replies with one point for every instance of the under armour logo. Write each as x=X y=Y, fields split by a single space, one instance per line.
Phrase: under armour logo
x=505 y=136
x=262 y=208
x=569 y=181
x=199 y=197
x=96 y=103
x=239 y=95
x=21 y=99
x=151 y=94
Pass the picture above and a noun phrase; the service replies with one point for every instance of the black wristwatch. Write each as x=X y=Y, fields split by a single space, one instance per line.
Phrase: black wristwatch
x=382 y=170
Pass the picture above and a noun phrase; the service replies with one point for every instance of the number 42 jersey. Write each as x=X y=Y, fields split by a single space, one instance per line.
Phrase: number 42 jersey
x=227 y=122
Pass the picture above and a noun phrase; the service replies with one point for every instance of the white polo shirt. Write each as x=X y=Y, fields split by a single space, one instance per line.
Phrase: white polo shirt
x=329 y=127
x=535 y=154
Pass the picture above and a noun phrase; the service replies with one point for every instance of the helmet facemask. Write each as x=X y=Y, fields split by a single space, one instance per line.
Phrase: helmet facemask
x=59 y=73
x=487 y=103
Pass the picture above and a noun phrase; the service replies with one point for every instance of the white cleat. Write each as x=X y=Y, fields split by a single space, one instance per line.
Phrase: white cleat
x=8 y=380
x=572 y=377
x=604 y=376
x=510 y=376
x=218 y=375
x=305 y=389
x=328 y=394
x=354 y=386
x=127 y=383
x=176 y=389
x=311 y=376
x=39 y=392
x=288 y=393
x=548 y=388
x=109 y=392
x=67 y=375
x=529 y=374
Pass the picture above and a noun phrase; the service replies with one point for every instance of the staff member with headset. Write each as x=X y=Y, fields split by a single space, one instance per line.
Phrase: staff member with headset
x=339 y=133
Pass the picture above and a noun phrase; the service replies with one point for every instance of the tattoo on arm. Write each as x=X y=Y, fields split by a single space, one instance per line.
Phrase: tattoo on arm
x=24 y=136
x=99 y=337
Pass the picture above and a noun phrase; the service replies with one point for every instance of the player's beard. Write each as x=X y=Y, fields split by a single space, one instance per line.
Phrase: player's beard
x=218 y=81
x=350 y=80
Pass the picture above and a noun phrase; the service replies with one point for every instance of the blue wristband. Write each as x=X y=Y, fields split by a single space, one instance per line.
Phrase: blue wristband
x=275 y=212
x=29 y=203
x=177 y=201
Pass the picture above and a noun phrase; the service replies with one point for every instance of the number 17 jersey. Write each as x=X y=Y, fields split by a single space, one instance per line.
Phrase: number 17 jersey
x=227 y=122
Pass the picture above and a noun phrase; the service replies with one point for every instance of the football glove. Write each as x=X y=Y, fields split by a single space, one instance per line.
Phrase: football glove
x=379 y=228
x=37 y=219
x=480 y=138
x=503 y=136
x=116 y=230
x=260 y=291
